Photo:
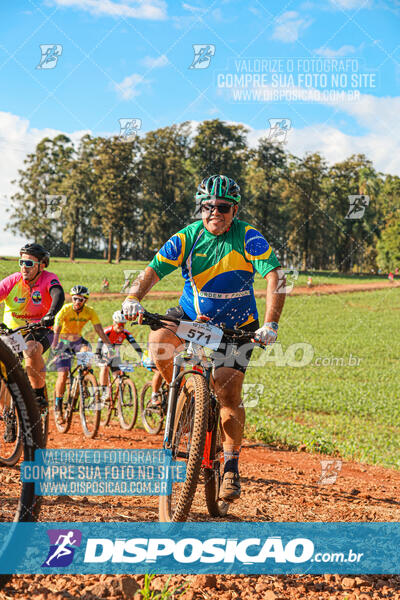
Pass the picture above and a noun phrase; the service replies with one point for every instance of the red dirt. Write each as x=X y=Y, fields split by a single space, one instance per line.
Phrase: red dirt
x=315 y=290
x=278 y=485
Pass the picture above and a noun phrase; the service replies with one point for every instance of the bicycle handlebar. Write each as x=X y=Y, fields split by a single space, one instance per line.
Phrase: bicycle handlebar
x=28 y=327
x=234 y=334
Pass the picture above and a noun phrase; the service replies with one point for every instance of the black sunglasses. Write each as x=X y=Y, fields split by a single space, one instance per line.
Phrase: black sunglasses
x=221 y=208
x=27 y=262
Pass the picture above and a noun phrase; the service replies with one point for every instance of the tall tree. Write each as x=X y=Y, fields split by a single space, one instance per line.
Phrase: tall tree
x=219 y=148
x=307 y=223
x=166 y=186
x=263 y=206
x=353 y=177
x=42 y=176
x=389 y=246
x=116 y=186
x=78 y=187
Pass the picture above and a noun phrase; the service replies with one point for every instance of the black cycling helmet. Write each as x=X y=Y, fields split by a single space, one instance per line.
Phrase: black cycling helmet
x=80 y=290
x=218 y=186
x=38 y=251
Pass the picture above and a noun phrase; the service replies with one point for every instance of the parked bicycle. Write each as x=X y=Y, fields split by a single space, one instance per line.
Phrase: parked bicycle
x=82 y=393
x=18 y=499
x=192 y=428
x=12 y=449
x=122 y=397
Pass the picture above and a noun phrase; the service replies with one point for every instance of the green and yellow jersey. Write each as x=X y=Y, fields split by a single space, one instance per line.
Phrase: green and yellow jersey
x=218 y=270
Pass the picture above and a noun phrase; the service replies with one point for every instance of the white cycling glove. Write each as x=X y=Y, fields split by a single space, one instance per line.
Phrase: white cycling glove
x=132 y=309
x=267 y=334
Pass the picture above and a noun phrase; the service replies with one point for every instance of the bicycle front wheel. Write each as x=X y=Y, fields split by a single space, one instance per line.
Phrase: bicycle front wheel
x=188 y=439
x=213 y=477
x=90 y=406
x=10 y=431
x=127 y=404
x=18 y=500
x=152 y=416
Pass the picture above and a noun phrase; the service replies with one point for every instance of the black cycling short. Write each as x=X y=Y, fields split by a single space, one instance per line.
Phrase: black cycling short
x=44 y=335
x=235 y=356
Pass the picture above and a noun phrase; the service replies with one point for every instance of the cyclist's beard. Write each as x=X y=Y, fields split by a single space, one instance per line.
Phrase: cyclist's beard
x=32 y=278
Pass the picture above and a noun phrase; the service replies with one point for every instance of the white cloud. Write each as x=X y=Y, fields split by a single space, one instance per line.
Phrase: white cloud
x=348 y=4
x=127 y=89
x=191 y=8
x=289 y=25
x=380 y=144
x=331 y=53
x=153 y=63
x=17 y=140
x=137 y=9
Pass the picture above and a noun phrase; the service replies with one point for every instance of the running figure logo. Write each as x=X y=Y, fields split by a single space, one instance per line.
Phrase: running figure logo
x=63 y=543
x=128 y=129
x=202 y=56
x=50 y=55
x=278 y=129
x=330 y=470
x=358 y=204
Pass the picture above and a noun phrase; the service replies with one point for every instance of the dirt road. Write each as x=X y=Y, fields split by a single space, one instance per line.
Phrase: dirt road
x=277 y=486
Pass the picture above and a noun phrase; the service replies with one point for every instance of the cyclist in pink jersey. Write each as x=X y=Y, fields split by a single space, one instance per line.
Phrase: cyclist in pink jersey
x=33 y=295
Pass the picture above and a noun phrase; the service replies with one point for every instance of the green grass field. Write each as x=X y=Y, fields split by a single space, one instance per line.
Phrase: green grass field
x=91 y=273
x=352 y=410
x=328 y=405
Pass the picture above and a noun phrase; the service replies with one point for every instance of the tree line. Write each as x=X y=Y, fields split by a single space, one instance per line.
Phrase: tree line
x=123 y=198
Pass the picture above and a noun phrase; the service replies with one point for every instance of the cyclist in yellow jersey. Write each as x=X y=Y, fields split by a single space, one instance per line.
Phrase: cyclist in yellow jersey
x=68 y=330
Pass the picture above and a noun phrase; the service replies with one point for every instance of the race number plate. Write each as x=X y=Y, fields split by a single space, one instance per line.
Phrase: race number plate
x=203 y=334
x=15 y=342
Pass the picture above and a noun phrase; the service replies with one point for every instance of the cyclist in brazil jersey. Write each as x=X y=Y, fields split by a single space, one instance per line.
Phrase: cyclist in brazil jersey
x=68 y=337
x=116 y=334
x=33 y=295
x=219 y=256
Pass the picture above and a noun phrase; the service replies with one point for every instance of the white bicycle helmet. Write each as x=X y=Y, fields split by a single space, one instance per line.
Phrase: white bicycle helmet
x=118 y=317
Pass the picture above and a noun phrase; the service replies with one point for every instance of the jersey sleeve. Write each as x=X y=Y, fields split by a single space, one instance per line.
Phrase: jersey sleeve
x=259 y=252
x=94 y=317
x=60 y=317
x=6 y=285
x=170 y=256
x=129 y=337
x=52 y=280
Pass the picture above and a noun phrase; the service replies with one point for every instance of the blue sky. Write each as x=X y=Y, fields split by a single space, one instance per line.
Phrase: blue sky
x=131 y=59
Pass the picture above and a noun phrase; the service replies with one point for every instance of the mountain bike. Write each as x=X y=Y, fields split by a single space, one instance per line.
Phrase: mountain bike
x=11 y=450
x=122 y=397
x=82 y=393
x=18 y=499
x=192 y=428
x=153 y=411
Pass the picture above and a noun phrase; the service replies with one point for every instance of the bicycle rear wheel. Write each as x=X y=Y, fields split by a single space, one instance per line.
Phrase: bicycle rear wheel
x=67 y=408
x=90 y=406
x=18 y=500
x=107 y=407
x=188 y=438
x=127 y=405
x=152 y=416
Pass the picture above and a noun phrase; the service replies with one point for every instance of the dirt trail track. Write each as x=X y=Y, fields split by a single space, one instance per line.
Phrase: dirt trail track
x=277 y=486
x=316 y=290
